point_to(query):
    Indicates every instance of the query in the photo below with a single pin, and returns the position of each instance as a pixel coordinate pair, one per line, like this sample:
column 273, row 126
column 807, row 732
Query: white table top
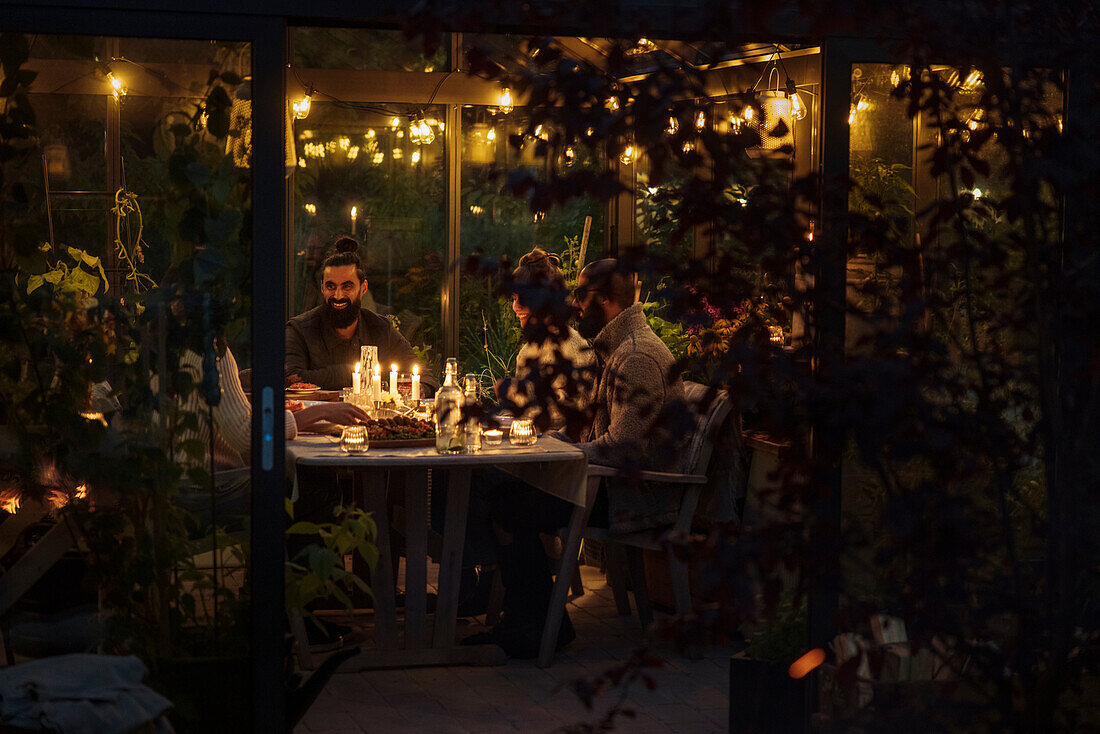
column 552, row 465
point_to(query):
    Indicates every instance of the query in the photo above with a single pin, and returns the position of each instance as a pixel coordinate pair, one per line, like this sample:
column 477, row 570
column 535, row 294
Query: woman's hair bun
column 346, row 244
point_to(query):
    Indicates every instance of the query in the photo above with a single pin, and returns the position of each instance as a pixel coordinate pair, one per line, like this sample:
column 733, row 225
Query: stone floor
column 690, row 695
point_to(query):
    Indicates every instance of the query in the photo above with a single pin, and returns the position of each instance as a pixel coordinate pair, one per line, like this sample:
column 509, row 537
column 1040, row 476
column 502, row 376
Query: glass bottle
column 473, row 425
column 450, row 435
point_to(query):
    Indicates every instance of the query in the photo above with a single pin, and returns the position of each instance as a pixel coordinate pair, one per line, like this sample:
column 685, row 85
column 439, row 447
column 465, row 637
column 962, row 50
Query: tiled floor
column 690, row 695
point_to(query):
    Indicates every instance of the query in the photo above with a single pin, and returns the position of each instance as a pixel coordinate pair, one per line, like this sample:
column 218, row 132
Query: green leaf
column 84, row 281
column 304, row 528
column 34, row 282
column 55, row 276
column 45, row 247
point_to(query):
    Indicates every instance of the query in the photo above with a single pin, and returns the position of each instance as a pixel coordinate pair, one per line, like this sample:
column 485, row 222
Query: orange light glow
column 10, row 502
column 81, row 491
column 799, row 668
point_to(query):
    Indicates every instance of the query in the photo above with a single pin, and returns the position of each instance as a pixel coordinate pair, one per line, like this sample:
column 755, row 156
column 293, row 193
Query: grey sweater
column 628, row 431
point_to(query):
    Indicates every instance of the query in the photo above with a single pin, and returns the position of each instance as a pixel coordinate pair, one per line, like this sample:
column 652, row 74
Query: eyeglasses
column 581, row 291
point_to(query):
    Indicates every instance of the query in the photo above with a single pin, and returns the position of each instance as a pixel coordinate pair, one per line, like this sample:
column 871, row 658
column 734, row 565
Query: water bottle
column 449, row 432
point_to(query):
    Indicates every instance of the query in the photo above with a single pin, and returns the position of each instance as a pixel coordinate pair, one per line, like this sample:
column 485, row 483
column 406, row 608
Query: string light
column 628, row 155
column 378, row 157
column 398, row 154
column 569, row 154
column 415, row 158
column 505, row 102
column 700, row 120
column 301, row 107
column 395, row 122
column 311, row 209
column 420, row 132
column 117, row 88
column 491, row 135
column 353, row 152
column 673, row 125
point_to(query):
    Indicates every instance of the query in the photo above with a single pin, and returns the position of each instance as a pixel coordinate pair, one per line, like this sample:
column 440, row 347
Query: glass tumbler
column 354, row 440
column 522, row 432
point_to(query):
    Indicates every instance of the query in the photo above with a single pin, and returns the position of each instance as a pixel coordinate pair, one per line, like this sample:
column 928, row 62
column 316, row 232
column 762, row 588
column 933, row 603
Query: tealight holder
column 522, row 432
column 354, row 440
column 347, row 395
column 492, row 436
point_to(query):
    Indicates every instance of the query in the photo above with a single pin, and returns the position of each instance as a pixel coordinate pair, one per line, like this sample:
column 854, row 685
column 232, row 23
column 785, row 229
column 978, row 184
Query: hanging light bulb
column 628, row 155
column 301, row 107
column 700, row 120
column 420, row 132
column 505, row 103
column 117, row 88
column 798, row 110
column 395, row 122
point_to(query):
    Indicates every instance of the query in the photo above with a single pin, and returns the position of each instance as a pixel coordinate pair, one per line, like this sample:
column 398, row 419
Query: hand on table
column 344, row 414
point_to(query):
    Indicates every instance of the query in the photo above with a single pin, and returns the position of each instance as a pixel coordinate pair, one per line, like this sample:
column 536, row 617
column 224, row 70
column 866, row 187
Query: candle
column 376, row 383
column 416, row 384
column 493, row 436
column 356, row 380
column 393, row 382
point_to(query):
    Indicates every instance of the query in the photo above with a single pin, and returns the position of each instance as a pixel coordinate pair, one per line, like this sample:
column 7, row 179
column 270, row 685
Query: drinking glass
column 354, row 440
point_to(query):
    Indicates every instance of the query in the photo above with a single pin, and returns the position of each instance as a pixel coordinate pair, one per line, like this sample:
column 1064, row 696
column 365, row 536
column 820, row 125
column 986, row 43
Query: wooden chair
column 625, row 551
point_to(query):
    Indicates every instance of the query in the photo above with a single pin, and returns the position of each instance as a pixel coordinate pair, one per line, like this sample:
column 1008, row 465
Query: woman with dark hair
column 322, row 344
column 556, row 366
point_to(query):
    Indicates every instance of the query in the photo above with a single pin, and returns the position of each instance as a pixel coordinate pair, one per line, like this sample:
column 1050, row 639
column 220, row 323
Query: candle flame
column 10, row 501
column 393, row 368
column 357, row 368
column 378, row 370
column 416, row 369
column 81, row 491
column 799, row 668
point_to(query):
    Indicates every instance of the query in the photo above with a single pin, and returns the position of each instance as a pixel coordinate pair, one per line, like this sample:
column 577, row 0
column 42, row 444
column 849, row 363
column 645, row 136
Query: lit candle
column 393, row 382
column 376, row 383
column 356, row 380
column 522, row 432
column 416, row 384
column 493, row 436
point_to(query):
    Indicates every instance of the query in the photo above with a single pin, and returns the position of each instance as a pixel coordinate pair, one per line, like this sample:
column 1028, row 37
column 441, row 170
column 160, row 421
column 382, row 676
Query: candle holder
column 493, row 436
column 347, row 395
column 354, row 440
column 522, row 432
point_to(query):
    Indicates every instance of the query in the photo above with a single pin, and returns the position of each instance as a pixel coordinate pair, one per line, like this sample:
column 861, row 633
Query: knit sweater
column 628, row 431
column 548, row 357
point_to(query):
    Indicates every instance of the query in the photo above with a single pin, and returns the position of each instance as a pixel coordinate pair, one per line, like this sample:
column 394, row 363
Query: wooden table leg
column 450, row 565
column 577, row 523
column 416, row 557
column 373, row 486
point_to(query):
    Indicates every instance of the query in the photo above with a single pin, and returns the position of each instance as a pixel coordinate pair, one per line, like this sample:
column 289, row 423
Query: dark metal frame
column 267, row 38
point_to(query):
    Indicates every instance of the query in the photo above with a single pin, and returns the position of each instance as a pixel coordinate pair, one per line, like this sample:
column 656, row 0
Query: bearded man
column 322, row 344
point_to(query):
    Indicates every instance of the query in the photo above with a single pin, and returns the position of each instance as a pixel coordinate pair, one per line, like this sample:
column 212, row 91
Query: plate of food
column 301, row 389
column 294, row 405
column 400, row 432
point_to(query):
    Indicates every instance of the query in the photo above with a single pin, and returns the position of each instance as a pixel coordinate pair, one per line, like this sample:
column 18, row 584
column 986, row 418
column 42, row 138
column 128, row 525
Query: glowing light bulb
column 569, row 154
column 798, row 110
column 628, row 155
column 311, row 209
column 395, row 122
column 700, row 120
column 415, row 156
column 505, row 102
column 117, row 88
column 976, row 193
column 301, row 107
column 491, row 135
column 673, row 125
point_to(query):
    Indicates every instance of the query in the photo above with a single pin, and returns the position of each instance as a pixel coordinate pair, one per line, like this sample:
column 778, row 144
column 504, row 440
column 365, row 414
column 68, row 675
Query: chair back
column 707, row 425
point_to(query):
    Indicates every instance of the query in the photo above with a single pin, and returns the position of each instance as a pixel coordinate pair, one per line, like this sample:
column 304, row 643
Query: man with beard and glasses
column 638, row 399
column 322, row 344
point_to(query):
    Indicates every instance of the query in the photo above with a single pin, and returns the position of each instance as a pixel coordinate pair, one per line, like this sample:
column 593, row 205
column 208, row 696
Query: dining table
column 386, row 473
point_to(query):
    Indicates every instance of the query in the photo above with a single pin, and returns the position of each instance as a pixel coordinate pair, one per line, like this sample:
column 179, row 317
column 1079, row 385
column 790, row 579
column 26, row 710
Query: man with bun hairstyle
column 322, row 344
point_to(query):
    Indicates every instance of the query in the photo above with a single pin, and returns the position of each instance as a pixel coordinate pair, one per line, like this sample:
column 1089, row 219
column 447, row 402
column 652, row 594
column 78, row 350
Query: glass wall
column 125, row 263
column 376, row 173
column 496, row 224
